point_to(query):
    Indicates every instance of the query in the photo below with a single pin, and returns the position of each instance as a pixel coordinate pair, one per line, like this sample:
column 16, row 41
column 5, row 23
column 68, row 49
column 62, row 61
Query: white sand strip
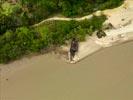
column 87, row 48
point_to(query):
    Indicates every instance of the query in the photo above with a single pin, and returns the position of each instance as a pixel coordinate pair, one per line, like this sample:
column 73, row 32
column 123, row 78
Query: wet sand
column 105, row 75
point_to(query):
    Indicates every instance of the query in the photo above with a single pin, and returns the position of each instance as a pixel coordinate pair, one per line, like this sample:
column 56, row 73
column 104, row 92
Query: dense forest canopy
column 44, row 8
column 16, row 13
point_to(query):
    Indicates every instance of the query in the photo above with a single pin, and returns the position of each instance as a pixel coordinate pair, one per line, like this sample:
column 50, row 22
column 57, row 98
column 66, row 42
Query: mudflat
column 105, row 75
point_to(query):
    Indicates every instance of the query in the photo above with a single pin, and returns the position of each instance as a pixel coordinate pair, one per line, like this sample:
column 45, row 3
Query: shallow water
column 105, row 75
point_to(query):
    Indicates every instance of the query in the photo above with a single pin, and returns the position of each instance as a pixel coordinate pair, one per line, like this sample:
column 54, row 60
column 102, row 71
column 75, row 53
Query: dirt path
column 63, row 19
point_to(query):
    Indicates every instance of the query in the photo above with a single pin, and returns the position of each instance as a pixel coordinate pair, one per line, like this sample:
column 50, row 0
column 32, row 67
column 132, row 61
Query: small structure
column 101, row 34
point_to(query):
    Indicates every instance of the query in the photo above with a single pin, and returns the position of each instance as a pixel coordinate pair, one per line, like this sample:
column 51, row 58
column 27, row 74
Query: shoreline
column 18, row 64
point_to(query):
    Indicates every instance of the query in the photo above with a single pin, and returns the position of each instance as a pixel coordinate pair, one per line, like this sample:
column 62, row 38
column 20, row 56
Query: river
column 105, row 75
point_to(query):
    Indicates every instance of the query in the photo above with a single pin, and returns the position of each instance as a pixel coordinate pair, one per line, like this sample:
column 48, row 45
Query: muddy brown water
column 105, row 75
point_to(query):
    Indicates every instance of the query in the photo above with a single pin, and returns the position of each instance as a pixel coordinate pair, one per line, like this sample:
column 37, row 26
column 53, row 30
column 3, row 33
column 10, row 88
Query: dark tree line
column 30, row 12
